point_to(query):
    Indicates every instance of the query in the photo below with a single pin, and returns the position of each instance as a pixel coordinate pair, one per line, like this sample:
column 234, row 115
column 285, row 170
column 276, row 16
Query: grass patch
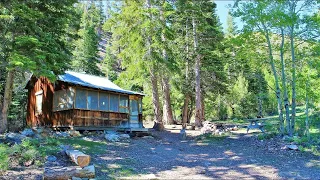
column 207, row 138
column 88, row 147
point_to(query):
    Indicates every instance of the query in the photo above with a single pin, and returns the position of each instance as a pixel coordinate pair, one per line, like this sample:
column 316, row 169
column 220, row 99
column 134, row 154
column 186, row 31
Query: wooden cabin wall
column 87, row 118
column 35, row 85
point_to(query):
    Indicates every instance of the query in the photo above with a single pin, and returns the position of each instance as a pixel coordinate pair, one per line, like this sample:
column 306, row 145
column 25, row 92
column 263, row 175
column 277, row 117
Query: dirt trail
column 234, row 157
column 239, row 156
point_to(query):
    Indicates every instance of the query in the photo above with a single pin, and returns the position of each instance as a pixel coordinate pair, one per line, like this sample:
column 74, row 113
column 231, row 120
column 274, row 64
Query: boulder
column 51, row 158
column 28, row 132
column 14, row 138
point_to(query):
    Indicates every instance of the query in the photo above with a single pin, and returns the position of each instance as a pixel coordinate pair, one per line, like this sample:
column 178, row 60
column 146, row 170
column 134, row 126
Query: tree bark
column 185, row 109
column 284, row 86
column 198, row 116
column 7, row 101
column 275, row 75
column 79, row 157
column 158, row 125
column 167, row 110
column 65, row 173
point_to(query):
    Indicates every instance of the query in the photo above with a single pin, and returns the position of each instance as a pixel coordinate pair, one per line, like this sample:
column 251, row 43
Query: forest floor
column 166, row 156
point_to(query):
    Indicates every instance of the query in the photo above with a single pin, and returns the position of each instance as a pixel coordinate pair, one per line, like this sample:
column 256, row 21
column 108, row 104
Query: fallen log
column 78, row 157
column 64, row 173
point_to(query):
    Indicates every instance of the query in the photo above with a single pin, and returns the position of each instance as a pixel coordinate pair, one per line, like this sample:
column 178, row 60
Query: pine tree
column 34, row 38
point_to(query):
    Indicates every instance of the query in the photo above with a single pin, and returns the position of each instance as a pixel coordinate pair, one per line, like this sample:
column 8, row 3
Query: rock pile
column 216, row 128
column 113, row 136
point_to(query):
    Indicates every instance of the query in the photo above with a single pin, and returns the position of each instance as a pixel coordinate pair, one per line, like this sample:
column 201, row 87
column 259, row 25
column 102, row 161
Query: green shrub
column 4, row 159
column 267, row 135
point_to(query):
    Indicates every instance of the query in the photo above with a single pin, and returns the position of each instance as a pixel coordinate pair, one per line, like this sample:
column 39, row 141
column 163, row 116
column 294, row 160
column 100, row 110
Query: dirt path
column 239, row 156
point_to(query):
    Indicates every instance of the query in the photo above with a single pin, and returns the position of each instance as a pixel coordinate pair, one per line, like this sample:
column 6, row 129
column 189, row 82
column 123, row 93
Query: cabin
column 82, row 102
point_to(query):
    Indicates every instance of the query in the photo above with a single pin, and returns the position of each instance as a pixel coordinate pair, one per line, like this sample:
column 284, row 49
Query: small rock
column 148, row 137
column 124, row 136
column 51, row 158
column 39, row 130
column 292, row 147
column 221, row 133
column 28, row 163
column 183, row 134
column 76, row 178
column 85, row 132
column 286, row 138
column 27, row 132
column 61, row 134
column 112, row 137
column 74, row 133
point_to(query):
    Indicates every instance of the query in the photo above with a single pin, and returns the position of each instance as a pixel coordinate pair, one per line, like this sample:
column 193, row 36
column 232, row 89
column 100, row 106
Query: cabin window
column 92, row 100
column 114, row 103
column 123, row 104
column 81, row 99
column 103, row 101
column 39, row 97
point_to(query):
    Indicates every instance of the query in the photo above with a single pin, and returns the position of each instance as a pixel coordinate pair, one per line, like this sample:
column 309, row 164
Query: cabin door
column 134, row 114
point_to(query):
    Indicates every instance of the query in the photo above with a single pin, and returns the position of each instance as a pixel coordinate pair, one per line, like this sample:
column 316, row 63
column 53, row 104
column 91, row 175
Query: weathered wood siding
column 36, row 85
column 87, row 118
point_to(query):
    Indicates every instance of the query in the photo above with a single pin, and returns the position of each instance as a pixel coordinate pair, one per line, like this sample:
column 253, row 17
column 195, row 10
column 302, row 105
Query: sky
column 222, row 12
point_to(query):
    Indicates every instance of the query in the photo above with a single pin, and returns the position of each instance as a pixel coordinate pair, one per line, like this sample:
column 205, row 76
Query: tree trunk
column 307, row 108
column 260, row 110
column 293, row 100
column 167, row 110
column 185, row 109
column 202, row 108
column 198, row 117
column 158, row 125
column 7, row 101
column 284, row 86
column 275, row 75
column 65, row 173
column 79, row 157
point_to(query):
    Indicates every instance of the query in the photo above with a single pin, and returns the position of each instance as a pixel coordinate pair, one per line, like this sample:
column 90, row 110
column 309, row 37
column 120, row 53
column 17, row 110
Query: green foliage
column 86, row 52
column 4, row 163
column 265, row 136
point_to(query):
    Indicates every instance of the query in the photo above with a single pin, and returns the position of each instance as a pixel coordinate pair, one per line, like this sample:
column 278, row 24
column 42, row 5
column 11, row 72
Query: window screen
column 103, row 101
column 81, row 99
column 114, row 103
column 134, row 107
column 70, row 94
column 140, row 105
column 123, row 104
column 93, row 100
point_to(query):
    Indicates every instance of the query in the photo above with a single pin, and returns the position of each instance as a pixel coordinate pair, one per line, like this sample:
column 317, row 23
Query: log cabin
column 82, row 102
